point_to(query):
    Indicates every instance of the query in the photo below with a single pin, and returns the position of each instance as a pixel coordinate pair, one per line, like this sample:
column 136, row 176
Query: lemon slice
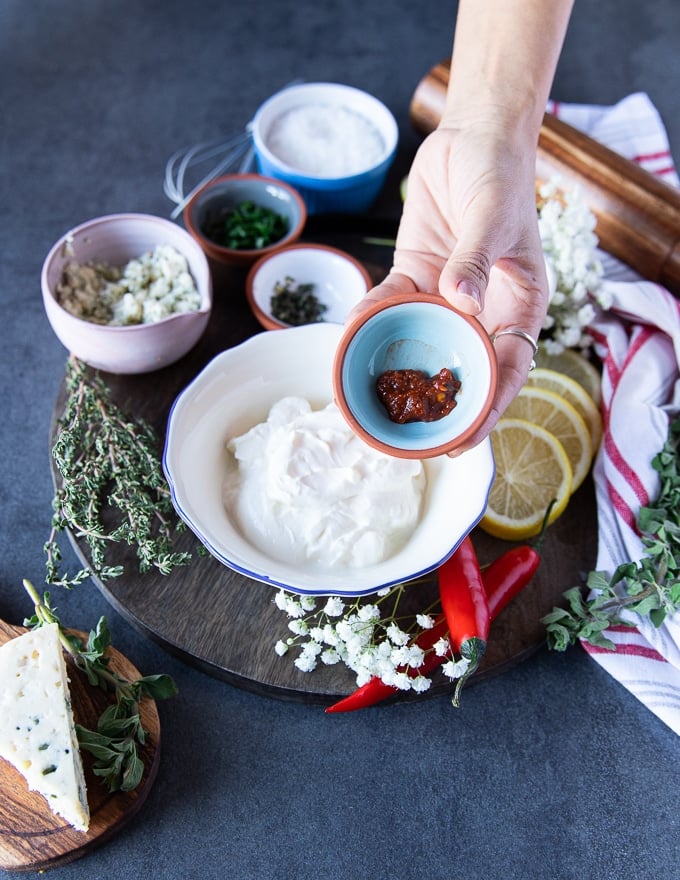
column 550, row 411
column 575, row 394
column 575, row 365
column 532, row 470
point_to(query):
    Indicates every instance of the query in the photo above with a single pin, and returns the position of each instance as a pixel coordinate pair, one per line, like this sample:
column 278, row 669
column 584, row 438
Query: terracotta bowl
column 339, row 281
column 424, row 333
column 222, row 195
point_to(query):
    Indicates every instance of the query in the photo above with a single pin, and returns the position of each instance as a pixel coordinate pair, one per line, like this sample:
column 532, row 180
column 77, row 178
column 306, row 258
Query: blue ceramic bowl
column 420, row 333
column 324, row 188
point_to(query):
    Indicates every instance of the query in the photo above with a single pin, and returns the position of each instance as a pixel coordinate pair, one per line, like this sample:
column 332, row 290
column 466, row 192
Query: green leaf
column 133, row 773
column 157, row 687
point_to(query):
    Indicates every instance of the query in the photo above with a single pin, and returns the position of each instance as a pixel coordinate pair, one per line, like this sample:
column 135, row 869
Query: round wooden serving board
column 32, row 838
column 227, row 624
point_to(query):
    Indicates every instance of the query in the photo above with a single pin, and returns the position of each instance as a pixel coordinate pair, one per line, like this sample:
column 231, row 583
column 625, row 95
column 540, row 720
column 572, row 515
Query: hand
column 469, row 232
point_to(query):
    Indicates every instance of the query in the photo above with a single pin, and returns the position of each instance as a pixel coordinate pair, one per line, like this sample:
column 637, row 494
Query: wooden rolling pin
column 638, row 215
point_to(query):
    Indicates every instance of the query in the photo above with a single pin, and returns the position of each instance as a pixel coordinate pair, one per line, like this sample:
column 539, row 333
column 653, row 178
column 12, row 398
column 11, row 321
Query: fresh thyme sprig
column 107, row 460
column 114, row 744
column 650, row 587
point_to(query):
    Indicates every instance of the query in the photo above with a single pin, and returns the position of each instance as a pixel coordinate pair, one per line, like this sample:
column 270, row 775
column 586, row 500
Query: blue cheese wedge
column 37, row 732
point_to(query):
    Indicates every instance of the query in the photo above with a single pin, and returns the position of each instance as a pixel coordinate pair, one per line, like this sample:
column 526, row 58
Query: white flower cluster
column 570, row 247
column 358, row 635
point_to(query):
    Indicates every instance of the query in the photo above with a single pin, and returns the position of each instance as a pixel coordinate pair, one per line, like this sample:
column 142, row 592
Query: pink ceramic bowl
column 139, row 348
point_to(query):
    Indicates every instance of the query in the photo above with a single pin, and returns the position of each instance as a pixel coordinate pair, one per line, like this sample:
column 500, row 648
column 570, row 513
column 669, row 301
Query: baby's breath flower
column 400, row 655
column 566, row 226
column 290, row 604
column 455, row 668
column 420, row 684
column 369, row 612
column 330, row 637
column 396, row 635
column 305, row 663
column 402, row 681
column 416, row 655
column 366, row 636
column 334, row 606
column 441, row 647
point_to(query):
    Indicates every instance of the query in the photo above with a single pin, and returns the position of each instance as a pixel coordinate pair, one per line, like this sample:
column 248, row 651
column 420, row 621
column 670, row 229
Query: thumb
column 465, row 276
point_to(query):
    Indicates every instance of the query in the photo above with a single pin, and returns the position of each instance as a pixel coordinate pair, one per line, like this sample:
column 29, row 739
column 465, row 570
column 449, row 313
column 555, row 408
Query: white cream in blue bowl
column 332, row 142
column 421, row 333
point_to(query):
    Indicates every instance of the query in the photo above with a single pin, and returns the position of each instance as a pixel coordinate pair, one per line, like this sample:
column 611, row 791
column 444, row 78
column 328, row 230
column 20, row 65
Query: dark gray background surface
column 552, row 770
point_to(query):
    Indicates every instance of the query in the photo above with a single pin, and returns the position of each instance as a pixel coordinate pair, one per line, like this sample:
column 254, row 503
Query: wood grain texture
column 32, row 838
column 227, row 624
column 638, row 215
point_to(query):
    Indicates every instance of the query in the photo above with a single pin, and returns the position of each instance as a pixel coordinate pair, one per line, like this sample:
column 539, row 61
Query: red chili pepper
column 503, row 579
column 465, row 607
column 507, row 576
column 376, row 690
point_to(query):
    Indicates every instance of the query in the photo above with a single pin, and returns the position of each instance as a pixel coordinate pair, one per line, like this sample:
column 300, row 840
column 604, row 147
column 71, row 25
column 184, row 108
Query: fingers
column 394, row 283
column 514, row 356
column 465, row 276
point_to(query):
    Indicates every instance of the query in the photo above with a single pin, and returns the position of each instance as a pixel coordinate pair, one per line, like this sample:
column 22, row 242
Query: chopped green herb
column 246, row 227
column 296, row 305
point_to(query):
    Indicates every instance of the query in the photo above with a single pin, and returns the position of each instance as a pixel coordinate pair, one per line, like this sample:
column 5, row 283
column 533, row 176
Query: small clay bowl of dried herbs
column 305, row 284
column 239, row 218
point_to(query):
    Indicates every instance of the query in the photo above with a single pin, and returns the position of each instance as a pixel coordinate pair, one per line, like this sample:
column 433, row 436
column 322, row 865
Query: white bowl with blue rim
column 338, row 281
column 332, row 142
column 424, row 333
column 234, row 393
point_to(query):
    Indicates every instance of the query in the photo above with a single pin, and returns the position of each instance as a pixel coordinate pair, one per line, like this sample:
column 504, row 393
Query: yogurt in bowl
column 236, row 393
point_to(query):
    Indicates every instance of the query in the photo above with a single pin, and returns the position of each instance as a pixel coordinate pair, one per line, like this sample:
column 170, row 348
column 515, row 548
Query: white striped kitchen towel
column 638, row 340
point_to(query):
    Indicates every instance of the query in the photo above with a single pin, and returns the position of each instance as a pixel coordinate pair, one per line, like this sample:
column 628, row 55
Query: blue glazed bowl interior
column 419, row 336
column 325, row 192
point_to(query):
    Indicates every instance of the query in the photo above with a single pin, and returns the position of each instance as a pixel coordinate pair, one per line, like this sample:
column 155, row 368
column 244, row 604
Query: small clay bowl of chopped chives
column 238, row 218
column 305, row 284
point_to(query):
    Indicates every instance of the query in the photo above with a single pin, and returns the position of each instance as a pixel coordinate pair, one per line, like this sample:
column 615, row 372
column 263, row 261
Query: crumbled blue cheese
column 37, row 732
column 146, row 290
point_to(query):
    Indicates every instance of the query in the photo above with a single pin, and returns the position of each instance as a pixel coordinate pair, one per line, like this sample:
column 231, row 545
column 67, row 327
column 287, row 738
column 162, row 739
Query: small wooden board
column 32, row 838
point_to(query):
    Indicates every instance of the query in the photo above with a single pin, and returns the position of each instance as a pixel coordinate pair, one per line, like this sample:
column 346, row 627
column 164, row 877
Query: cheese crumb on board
column 37, row 731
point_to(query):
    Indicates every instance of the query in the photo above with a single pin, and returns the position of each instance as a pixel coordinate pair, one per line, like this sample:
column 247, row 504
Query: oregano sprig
column 107, row 460
column 115, row 743
column 649, row 587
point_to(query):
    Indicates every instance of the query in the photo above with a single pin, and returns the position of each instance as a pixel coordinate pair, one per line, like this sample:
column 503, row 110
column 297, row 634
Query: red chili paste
column 413, row 396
